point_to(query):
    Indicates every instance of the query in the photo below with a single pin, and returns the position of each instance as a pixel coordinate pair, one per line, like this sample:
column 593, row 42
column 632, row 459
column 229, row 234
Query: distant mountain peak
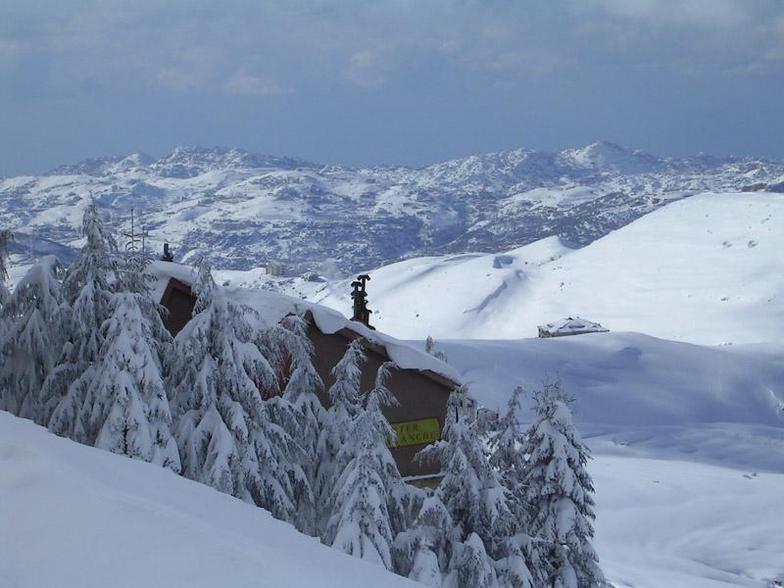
column 244, row 210
column 609, row 156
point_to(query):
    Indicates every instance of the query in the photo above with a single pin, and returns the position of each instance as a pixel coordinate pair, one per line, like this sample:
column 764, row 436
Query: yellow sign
column 417, row 432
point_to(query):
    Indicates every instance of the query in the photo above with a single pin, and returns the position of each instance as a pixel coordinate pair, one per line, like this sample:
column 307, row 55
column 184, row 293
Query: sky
column 403, row 82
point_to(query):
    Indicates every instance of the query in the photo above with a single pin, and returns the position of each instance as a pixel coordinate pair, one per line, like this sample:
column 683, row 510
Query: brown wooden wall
column 420, row 395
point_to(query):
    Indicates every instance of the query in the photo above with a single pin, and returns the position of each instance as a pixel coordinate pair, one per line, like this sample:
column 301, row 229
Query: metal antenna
column 132, row 244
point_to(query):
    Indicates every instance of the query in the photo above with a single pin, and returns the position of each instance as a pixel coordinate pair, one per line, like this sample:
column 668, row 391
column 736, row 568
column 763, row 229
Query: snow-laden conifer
column 127, row 399
column 223, row 427
column 430, row 347
column 126, row 402
column 508, row 457
column 6, row 237
column 471, row 565
column 344, row 395
column 559, row 493
column 290, row 352
column 5, row 320
column 518, row 564
column 88, row 286
column 367, row 510
column 471, row 493
column 37, row 319
column 424, row 551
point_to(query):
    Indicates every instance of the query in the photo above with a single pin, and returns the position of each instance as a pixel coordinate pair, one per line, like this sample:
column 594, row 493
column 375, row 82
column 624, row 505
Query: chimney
column 359, row 296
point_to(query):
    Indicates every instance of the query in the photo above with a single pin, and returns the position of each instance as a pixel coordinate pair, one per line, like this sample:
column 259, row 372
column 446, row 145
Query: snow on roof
column 573, row 325
column 273, row 307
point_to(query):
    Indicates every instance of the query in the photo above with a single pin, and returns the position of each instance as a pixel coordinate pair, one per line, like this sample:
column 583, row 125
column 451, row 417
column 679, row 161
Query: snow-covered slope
column 688, row 444
column 651, row 396
column 676, row 524
column 707, row 269
column 72, row 516
column 243, row 210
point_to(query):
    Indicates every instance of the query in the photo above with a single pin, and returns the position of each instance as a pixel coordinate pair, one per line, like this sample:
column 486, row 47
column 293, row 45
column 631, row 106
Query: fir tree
column 508, row 457
column 519, row 566
column 127, row 399
column 559, row 493
column 6, row 237
column 88, row 286
column 291, row 353
column 37, row 317
column 425, row 549
column 472, row 566
column 366, row 499
column 472, row 495
column 430, row 347
column 344, row 395
column 226, row 436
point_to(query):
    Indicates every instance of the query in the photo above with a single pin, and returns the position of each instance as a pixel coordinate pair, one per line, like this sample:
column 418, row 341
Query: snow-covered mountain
column 707, row 269
column 242, row 210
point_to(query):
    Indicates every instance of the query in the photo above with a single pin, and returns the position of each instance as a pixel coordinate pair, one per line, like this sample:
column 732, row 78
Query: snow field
column 707, row 269
column 72, row 515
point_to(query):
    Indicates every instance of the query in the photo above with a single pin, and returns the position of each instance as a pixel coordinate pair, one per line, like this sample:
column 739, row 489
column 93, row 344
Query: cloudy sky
column 387, row 81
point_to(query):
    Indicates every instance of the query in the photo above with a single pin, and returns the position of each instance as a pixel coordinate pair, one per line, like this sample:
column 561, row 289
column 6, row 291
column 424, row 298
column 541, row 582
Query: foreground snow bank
column 72, row 515
column 75, row 516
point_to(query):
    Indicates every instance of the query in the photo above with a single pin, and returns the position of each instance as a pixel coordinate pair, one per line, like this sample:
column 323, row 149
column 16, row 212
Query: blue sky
column 393, row 81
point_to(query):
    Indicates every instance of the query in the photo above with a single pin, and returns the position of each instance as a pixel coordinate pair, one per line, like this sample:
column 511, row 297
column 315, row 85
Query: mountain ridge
column 243, row 210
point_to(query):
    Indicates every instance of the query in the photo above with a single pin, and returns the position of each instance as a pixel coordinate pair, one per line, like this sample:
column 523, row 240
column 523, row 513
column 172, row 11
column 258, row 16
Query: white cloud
column 363, row 68
column 250, row 85
column 776, row 51
column 9, row 48
column 684, row 12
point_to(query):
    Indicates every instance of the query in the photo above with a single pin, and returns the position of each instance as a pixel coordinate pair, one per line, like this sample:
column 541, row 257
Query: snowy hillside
column 72, row 515
column 708, row 269
column 100, row 519
column 243, row 210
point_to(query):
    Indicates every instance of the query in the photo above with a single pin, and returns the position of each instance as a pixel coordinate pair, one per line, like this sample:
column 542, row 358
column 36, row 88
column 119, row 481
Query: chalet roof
column 573, row 325
column 273, row 307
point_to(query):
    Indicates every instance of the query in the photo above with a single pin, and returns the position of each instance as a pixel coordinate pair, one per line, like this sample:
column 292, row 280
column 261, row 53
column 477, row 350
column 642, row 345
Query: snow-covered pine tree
column 5, row 320
column 430, row 347
column 367, row 502
column 559, row 493
column 472, row 494
column 519, row 564
column 291, row 354
column 127, row 401
column 88, row 286
column 344, row 395
column 423, row 551
column 6, row 237
column 471, row 565
column 37, row 316
column 226, row 436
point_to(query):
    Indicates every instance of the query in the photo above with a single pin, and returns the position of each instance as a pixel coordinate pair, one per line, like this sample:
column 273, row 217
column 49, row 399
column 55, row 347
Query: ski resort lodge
column 420, row 382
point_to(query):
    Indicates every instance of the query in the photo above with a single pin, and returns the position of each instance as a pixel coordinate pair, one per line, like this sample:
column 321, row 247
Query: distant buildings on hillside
column 570, row 326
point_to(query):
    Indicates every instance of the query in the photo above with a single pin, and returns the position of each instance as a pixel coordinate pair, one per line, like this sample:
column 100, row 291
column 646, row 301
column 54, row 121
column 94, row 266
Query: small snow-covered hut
column 420, row 382
column 570, row 326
